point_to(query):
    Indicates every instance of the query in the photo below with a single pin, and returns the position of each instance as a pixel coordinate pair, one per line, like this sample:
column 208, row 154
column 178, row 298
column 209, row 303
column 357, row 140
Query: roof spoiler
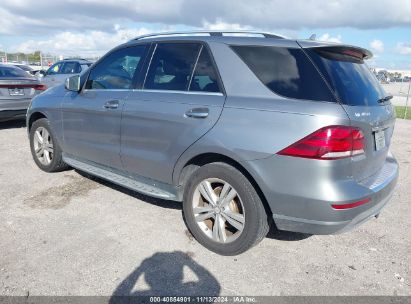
column 343, row 49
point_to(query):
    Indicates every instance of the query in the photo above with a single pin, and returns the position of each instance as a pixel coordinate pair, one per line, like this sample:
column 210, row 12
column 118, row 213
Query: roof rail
column 210, row 33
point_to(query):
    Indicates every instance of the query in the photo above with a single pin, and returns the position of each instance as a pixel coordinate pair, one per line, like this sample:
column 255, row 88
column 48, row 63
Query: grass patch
column 400, row 111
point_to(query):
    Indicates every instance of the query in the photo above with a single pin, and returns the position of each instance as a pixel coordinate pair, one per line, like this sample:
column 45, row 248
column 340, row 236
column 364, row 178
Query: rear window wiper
column 384, row 99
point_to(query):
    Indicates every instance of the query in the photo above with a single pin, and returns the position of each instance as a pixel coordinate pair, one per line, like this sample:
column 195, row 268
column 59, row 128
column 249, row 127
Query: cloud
column 92, row 43
column 48, row 16
column 377, row 46
column 327, row 37
column 403, row 48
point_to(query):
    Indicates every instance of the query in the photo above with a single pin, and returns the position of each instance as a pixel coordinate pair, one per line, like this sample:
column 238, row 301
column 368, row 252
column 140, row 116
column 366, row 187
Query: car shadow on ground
column 273, row 233
column 166, row 274
column 282, row 235
column 12, row 124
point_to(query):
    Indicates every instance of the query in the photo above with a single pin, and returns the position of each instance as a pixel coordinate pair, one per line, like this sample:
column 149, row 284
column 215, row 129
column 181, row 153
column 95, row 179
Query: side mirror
column 73, row 83
column 42, row 73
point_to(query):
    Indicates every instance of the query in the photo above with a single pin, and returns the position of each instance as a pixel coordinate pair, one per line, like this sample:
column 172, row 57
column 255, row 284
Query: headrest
column 174, row 67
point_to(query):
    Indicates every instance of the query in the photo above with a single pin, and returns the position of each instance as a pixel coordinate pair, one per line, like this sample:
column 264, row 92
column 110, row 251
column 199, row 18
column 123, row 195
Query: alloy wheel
column 218, row 210
column 43, row 146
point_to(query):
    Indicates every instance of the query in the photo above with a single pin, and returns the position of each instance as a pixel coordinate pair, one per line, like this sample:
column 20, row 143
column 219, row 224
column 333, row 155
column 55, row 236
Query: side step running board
column 153, row 189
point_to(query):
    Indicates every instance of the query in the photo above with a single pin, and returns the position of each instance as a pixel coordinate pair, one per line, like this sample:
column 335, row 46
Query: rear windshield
column 286, row 71
column 350, row 78
column 24, row 67
column 11, row 72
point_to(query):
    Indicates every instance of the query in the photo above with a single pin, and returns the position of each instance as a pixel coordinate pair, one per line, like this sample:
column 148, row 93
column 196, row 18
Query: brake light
column 352, row 205
column 352, row 53
column 40, row 87
column 332, row 142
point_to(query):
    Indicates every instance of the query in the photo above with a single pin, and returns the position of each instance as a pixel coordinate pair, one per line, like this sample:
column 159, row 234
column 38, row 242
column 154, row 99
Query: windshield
column 11, row 72
column 349, row 77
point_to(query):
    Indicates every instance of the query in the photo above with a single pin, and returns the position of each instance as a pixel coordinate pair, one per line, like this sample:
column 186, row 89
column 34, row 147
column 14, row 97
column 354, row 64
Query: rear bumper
column 313, row 213
column 329, row 227
column 12, row 114
column 13, row 108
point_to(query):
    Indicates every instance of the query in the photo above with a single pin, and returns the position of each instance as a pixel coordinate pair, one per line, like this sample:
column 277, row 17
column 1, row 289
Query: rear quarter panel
column 258, row 128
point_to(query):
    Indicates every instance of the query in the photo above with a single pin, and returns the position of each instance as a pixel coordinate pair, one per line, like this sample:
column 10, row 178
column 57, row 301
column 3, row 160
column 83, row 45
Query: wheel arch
column 197, row 161
column 33, row 117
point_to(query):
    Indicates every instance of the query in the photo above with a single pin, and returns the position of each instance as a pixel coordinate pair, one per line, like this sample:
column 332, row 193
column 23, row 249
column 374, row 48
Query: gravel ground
column 68, row 234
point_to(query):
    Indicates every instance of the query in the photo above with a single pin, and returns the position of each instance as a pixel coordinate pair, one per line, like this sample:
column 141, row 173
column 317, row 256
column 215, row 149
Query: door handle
column 197, row 113
column 112, row 104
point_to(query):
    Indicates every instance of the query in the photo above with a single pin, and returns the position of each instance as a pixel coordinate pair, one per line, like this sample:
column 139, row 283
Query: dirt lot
column 67, row 234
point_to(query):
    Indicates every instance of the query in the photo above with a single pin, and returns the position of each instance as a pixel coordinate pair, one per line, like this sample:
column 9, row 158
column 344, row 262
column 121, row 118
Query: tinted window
column 116, row 71
column 70, row 68
column 12, row 71
column 348, row 76
column 55, row 69
column 287, row 72
column 205, row 77
column 171, row 66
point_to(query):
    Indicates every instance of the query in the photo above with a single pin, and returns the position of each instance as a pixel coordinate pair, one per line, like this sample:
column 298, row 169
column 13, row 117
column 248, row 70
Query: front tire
column 44, row 147
column 223, row 211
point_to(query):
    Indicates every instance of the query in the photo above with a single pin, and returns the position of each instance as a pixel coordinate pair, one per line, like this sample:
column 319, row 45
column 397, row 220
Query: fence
column 406, row 101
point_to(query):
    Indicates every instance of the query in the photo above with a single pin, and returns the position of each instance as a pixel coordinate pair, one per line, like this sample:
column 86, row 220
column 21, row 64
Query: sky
column 92, row 27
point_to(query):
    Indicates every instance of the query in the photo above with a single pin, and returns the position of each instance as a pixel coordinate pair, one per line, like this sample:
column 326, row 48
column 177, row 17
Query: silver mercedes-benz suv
column 247, row 130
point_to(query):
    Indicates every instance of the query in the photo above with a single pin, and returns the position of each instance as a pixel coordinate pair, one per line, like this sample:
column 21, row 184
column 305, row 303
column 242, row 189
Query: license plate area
column 16, row 92
column 379, row 138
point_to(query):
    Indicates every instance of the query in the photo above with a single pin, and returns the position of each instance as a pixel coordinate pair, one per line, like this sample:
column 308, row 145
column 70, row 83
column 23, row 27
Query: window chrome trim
column 157, row 91
column 194, row 67
column 179, row 92
column 107, row 90
column 149, row 65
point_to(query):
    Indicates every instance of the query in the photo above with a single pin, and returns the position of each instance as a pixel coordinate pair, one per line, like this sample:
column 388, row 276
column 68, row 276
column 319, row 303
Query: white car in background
column 61, row 70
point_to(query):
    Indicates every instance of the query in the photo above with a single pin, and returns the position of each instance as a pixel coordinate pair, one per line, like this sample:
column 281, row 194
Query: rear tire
column 223, row 211
column 44, row 147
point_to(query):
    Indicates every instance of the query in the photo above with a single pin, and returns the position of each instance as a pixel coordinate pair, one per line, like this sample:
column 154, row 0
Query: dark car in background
column 17, row 88
column 25, row 68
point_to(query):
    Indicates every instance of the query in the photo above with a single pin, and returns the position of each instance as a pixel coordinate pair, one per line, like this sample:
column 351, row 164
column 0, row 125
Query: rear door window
column 205, row 78
column 285, row 71
column 172, row 66
column 71, row 68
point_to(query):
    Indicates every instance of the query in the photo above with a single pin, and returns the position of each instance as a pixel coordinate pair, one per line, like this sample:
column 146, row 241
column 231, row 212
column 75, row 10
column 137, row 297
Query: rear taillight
column 40, row 87
column 332, row 142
